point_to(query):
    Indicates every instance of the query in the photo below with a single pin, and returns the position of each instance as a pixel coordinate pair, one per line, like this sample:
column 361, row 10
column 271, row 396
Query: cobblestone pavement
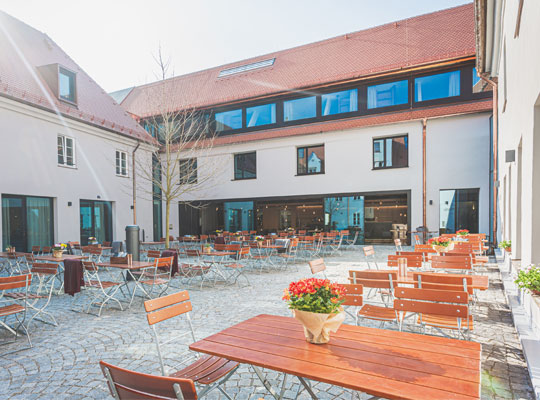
column 63, row 364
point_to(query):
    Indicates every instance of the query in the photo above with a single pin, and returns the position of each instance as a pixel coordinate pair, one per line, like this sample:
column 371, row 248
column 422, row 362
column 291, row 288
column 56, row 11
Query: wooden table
column 60, row 259
column 5, row 254
column 385, row 363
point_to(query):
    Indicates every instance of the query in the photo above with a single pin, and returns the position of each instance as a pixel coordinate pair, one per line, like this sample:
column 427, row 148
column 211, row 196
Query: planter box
column 531, row 306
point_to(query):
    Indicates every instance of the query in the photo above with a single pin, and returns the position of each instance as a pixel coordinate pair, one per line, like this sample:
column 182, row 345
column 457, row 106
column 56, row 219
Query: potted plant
column 10, row 249
column 463, row 232
column 529, row 279
column 207, row 248
column 441, row 244
column 92, row 240
column 58, row 249
column 316, row 303
column 506, row 245
column 260, row 240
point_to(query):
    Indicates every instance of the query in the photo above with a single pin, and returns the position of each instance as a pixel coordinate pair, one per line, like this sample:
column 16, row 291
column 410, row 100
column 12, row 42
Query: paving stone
column 64, row 360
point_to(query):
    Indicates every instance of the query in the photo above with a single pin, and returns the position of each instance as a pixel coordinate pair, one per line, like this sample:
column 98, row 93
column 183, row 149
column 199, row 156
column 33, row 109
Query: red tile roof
column 357, row 122
column 24, row 49
column 425, row 39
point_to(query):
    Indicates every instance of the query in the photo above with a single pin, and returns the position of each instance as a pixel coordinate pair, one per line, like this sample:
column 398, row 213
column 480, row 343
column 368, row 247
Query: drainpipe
column 495, row 152
column 134, row 183
column 424, row 172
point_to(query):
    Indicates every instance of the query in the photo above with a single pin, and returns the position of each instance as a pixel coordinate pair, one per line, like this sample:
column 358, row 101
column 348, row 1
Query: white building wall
column 458, row 145
column 28, row 165
column 519, row 122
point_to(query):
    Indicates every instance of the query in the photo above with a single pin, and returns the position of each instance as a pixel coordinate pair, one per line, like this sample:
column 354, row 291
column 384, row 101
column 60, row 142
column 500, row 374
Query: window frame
column 64, row 151
column 392, row 107
column 192, row 179
column 245, row 113
column 335, row 91
column 121, row 152
column 305, row 148
column 235, row 178
column 385, row 138
column 317, row 98
column 72, row 74
column 242, row 110
column 465, row 86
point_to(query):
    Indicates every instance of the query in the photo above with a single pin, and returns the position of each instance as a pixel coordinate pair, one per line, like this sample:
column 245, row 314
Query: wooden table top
column 17, row 254
column 385, row 363
column 60, row 259
column 219, row 253
column 134, row 265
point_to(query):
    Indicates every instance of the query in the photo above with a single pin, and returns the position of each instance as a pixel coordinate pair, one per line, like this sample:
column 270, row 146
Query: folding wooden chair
column 193, row 267
column 125, row 384
column 369, row 254
column 381, row 283
column 155, row 280
column 317, row 266
column 99, row 290
column 14, row 307
column 354, row 299
column 153, row 254
column 208, row 372
column 413, row 260
column 236, row 269
column 397, row 243
column 439, row 309
column 36, row 250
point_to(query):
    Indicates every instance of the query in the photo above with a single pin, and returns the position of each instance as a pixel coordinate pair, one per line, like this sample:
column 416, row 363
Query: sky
column 115, row 41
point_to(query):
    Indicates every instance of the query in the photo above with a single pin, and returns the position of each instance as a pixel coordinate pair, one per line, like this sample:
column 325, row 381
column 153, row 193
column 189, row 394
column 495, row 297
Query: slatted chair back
column 164, row 308
column 14, row 305
column 430, row 280
column 374, row 279
column 452, row 263
column 353, row 294
column 369, row 254
column 153, row 254
column 194, row 252
column 118, row 260
column 90, row 266
column 317, row 266
column 220, row 247
column 15, row 282
column 36, row 249
column 125, row 384
column 429, row 302
column 424, row 248
column 413, row 261
column 46, row 250
column 44, row 268
column 464, row 247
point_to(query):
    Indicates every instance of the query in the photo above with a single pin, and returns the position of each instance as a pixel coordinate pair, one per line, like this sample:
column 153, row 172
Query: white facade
column 516, row 63
column 29, row 165
column 457, row 158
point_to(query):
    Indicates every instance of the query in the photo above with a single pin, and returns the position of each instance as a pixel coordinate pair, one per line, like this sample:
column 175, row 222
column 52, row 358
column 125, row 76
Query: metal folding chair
column 208, row 372
column 100, row 291
column 14, row 307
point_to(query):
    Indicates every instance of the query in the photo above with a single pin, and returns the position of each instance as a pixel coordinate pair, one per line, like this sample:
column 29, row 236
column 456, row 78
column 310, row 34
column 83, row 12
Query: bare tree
column 184, row 137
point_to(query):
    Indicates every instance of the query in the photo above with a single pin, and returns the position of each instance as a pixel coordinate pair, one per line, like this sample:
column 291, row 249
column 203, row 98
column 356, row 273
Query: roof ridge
column 301, row 46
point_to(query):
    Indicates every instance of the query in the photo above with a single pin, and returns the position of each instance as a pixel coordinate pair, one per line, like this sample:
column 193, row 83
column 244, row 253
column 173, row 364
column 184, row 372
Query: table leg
column 266, row 383
column 307, row 386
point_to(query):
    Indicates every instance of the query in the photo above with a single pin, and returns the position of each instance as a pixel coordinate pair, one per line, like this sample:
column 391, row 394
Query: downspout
column 495, row 153
column 424, row 180
column 134, row 183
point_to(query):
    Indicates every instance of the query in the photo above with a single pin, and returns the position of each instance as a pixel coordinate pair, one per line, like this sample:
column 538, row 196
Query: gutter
column 134, row 183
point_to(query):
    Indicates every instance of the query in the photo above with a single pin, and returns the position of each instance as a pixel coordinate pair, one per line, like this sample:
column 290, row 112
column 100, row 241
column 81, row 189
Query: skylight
column 246, row 67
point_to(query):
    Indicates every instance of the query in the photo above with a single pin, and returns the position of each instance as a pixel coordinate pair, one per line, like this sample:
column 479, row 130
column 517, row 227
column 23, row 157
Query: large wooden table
column 60, row 259
column 385, row 363
column 135, row 265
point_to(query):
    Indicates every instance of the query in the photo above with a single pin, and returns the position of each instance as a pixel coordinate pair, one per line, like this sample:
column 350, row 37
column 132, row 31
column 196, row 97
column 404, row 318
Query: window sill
column 122, row 176
column 243, row 179
column 383, row 168
column 313, row 173
column 67, row 166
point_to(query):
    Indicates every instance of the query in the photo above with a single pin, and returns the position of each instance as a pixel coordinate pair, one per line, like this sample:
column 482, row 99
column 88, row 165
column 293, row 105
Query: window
column 121, row 163
column 228, row 120
column 388, row 94
column 66, row 151
column 475, row 77
column 392, row 152
column 245, row 166
column 340, row 102
column 66, row 85
column 437, row 86
column 310, row 160
column 261, row 115
column 300, row 109
column 458, row 210
column 188, row 171
column 246, row 67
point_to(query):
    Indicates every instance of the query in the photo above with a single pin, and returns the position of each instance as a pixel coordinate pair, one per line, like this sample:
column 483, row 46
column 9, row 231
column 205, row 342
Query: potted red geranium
column 441, row 244
column 316, row 303
column 462, row 232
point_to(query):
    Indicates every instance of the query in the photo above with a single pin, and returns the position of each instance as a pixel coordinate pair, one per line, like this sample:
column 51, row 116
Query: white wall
column 459, row 145
column 28, row 165
column 517, row 122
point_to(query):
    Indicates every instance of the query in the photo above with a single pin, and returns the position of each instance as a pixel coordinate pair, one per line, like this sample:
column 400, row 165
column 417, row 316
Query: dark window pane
column 459, row 210
column 310, row 160
column 261, row 115
column 245, row 166
column 300, row 108
column 388, row 94
column 228, row 120
column 60, row 150
column 66, row 85
column 391, row 152
column 437, row 86
column 340, row 102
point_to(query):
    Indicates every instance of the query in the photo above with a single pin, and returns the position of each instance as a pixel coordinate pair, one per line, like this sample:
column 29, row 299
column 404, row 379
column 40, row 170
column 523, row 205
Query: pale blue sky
column 114, row 40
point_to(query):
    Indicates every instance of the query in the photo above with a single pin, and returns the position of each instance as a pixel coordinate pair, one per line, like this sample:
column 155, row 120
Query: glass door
column 458, row 210
column 26, row 222
column 96, row 221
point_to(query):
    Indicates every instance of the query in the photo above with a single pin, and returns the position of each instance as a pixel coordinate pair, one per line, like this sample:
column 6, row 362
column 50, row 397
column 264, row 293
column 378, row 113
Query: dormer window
column 66, row 85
